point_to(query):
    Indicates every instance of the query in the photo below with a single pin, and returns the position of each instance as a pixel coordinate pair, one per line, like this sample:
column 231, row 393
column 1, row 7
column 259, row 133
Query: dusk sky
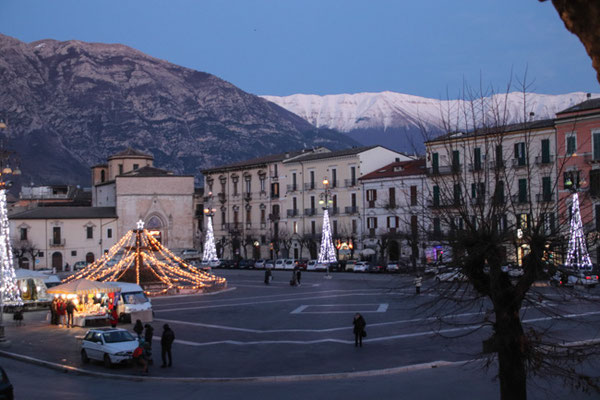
column 282, row 47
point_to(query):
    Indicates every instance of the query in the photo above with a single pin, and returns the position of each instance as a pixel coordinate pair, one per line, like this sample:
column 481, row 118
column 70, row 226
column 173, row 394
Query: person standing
column 138, row 328
column 359, row 329
column 70, row 311
column 298, row 276
column 149, row 334
column 54, row 311
column 268, row 276
column 61, row 307
column 418, row 283
column 166, row 341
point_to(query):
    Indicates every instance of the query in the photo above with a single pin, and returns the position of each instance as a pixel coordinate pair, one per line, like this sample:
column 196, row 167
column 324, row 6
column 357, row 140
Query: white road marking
column 357, row 308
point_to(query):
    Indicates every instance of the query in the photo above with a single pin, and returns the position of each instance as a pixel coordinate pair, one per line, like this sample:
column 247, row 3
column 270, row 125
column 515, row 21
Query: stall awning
column 84, row 286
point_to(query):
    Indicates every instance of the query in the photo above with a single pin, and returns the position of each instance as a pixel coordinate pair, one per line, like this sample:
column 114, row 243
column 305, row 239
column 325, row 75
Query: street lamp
column 327, row 252
column 8, row 282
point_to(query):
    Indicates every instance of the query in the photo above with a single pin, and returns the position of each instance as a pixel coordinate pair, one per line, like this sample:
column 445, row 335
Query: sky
column 282, row 47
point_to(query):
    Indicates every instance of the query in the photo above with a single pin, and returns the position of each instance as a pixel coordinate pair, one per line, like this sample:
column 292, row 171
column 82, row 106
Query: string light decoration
column 210, row 250
column 9, row 291
column 140, row 258
column 327, row 252
column 577, row 254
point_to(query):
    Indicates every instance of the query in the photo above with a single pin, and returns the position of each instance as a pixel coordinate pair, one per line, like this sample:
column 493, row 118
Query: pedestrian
column 268, row 276
column 298, row 276
column 418, row 283
column 138, row 328
column 54, row 311
column 70, row 311
column 142, row 355
column 149, row 334
column 62, row 312
column 359, row 329
column 18, row 316
column 113, row 317
column 166, row 341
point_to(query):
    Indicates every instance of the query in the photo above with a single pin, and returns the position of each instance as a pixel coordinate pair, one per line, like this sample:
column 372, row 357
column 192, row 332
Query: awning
column 367, row 252
column 84, row 286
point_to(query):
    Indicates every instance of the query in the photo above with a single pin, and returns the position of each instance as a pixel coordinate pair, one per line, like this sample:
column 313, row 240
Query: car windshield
column 135, row 298
column 117, row 336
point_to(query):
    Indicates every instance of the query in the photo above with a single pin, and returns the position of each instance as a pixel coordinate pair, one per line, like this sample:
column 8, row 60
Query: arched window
column 89, row 258
column 155, row 227
column 102, row 176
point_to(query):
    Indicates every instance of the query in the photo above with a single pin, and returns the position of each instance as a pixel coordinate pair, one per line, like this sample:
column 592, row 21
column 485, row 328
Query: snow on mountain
column 385, row 110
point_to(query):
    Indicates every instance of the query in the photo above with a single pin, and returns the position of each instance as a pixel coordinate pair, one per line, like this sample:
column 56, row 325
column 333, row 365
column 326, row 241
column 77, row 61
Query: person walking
column 138, row 328
column 359, row 329
column 166, row 341
column 149, row 334
column 268, row 276
column 418, row 283
column 54, row 311
column 70, row 311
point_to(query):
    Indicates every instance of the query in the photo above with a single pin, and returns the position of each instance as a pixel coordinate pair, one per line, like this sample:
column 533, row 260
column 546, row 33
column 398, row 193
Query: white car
column 582, row 279
column 321, row 266
column 289, row 264
column 190, row 253
column 361, row 266
column 260, row 264
column 392, row 267
column 451, row 276
column 109, row 345
column 280, row 264
column 310, row 265
column 269, row 264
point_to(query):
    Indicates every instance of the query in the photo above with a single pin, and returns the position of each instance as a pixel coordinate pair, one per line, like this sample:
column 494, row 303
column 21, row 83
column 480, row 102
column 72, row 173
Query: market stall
column 93, row 300
column 32, row 287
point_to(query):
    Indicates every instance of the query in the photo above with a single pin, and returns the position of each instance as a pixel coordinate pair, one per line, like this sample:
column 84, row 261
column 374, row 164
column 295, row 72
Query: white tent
column 32, row 285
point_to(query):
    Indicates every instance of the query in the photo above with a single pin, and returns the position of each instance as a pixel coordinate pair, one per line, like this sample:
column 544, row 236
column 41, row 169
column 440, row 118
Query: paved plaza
column 256, row 334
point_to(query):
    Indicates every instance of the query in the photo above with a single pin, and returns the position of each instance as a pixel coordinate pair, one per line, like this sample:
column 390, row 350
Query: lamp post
column 8, row 282
column 209, row 252
column 327, row 252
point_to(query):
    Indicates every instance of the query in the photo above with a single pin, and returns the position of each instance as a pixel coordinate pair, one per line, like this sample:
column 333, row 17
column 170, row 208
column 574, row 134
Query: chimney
column 589, row 96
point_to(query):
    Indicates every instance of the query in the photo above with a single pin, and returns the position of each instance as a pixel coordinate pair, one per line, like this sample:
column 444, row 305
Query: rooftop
column 66, row 213
column 332, row 154
column 264, row 160
column 129, row 152
column 584, row 106
column 397, row 169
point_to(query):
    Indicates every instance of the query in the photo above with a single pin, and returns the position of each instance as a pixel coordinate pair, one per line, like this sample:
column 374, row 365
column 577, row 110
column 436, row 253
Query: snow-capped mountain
column 397, row 119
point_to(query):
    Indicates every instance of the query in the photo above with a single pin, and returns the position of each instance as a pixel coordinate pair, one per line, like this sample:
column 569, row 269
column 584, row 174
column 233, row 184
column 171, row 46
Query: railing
column 274, row 217
column 292, row 188
column 350, row 182
column 444, row 170
column 519, row 162
column 222, row 197
column 310, row 211
column 540, row 160
column 333, row 210
column 351, row 210
column 56, row 243
column 247, row 196
column 293, row 213
column 544, row 197
column 496, row 164
column 309, row 186
column 518, row 199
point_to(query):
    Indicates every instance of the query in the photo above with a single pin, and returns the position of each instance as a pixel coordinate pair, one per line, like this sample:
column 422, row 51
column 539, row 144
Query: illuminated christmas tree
column 210, row 250
column 9, row 290
column 577, row 254
column 327, row 252
column 148, row 263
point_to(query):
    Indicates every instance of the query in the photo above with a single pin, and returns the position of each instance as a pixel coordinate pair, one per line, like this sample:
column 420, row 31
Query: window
column 248, row 215
column 457, row 194
column 334, row 200
column 392, row 197
column 499, row 156
column 41, row 254
column 435, row 163
column 275, row 173
column 136, row 166
column 313, row 227
column 354, row 226
column 73, row 253
column 312, row 179
column 334, row 177
column 371, row 197
column 263, row 216
column 499, row 193
column 571, row 143
column 294, row 184
column 455, row 161
column 476, row 159
column 23, row 234
column 437, row 227
column 372, row 222
column 56, row 236
column 596, row 145
column 109, row 233
column 501, row 222
column 312, row 202
column 436, row 196
column 520, row 154
column 294, row 204
column 262, row 180
column 393, row 222
column 248, row 185
column 522, row 221
column 335, row 227
column 223, row 219
column 413, row 195
column 414, row 226
column 546, row 189
column 595, row 183
column 235, row 187
column 353, row 200
column 353, row 176
column 274, row 190
column 546, row 151
column 89, row 232
column 295, row 227
column 548, row 221
column 120, row 169
column 522, row 198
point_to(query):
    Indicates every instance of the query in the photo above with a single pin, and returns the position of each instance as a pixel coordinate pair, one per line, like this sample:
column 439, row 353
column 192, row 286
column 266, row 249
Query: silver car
column 109, row 345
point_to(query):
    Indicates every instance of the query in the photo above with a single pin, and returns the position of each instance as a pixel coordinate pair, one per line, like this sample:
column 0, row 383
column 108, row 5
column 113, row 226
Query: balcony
column 544, row 197
column 56, row 243
column 519, row 162
column 475, row 167
column 233, row 226
column 274, row 217
column 333, row 210
column 444, row 170
column 310, row 211
column 292, row 188
column 520, row 199
column 293, row 213
column 350, row 182
column 247, row 196
column 447, row 203
column 543, row 161
column 222, row 197
column 495, row 165
column 274, row 195
column 309, row 186
column 351, row 210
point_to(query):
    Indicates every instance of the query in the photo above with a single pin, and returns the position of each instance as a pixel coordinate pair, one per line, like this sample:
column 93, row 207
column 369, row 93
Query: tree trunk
column 511, row 346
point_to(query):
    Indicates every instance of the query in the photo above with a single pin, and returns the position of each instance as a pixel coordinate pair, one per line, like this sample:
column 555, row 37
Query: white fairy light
column 9, row 290
column 210, row 250
column 577, row 254
column 327, row 252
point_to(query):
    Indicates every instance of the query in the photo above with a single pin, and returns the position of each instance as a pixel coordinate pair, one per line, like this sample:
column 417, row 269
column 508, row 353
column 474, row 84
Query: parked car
column 226, row 264
column 6, row 388
column 269, row 264
column 569, row 278
column 290, row 263
column 515, row 272
column 302, row 264
column 376, row 267
column 350, row 265
column 280, row 263
column 246, row 264
column 260, row 264
column 361, row 266
column 392, row 267
column 80, row 265
column 190, row 253
column 321, row 266
column 109, row 345
column 310, row 265
column 450, row 276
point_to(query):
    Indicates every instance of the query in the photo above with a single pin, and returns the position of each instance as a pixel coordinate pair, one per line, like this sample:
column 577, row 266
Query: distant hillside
column 71, row 104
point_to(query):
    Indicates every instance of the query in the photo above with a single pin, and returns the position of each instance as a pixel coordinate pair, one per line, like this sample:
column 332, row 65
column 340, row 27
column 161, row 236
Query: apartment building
column 394, row 210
